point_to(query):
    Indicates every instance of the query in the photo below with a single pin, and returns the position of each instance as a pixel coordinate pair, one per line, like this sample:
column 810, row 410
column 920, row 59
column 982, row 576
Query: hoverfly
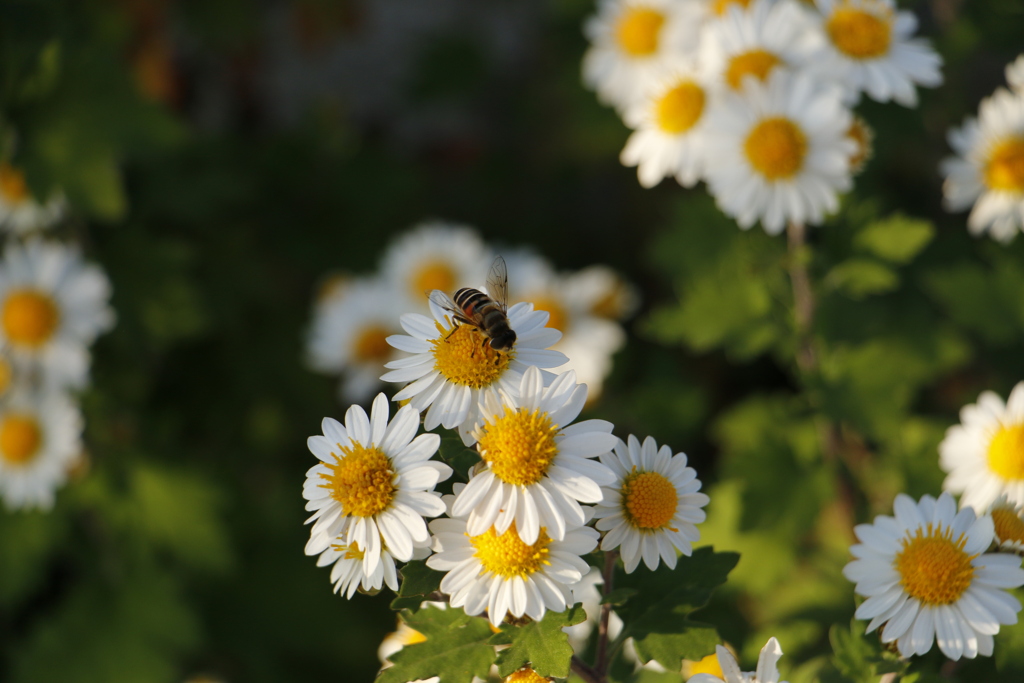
column 486, row 313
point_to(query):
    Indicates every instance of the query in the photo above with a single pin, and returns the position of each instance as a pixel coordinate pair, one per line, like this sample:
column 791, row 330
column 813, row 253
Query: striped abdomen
column 486, row 315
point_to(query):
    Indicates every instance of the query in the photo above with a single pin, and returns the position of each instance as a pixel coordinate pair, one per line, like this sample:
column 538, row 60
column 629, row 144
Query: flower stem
column 601, row 665
column 803, row 297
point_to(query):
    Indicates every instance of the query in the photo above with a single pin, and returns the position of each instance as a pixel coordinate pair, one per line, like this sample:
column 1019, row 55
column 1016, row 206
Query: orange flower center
column 638, row 30
column 758, row 63
column 933, row 567
column 29, row 317
column 20, row 438
column 1005, row 167
column 860, row 34
column 776, row 148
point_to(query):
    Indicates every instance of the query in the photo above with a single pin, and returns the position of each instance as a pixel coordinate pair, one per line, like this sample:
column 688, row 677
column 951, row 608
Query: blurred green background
column 222, row 157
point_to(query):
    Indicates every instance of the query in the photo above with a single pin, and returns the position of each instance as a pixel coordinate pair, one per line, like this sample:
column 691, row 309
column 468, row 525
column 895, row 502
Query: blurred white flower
column 20, row 212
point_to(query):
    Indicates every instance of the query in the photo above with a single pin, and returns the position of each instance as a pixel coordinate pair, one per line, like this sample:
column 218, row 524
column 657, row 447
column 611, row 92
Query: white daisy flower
column 870, row 49
column 370, row 491
column 1008, row 522
column 778, row 151
column 767, row 667
column 434, row 255
column 1015, row 74
column 20, row 213
column 756, row 42
column 349, row 334
column 537, row 467
column 52, row 306
column 453, row 365
column 603, row 292
column 40, row 440
column 668, row 130
column 652, row 508
column 926, row 578
column 984, row 454
column 501, row 573
column 988, row 169
column 633, row 42
column 349, row 571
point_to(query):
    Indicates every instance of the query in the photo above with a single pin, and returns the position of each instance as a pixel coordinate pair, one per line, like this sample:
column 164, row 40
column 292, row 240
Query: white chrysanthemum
column 778, row 151
column 588, row 340
column 434, row 255
column 40, row 438
column 984, row 454
column 52, row 306
column 371, row 490
column 668, row 131
column 926, row 578
column 538, row 467
column 349, row 570
column 349, row 334
column 988, row 169
column 870, row 49
column 767, row 667
column 753, row 43
column 501, row 573
column 652, row 508
column 603, row 292
column 1015, row 74
column 1008, row 522
column 454, row 366
column 20, row 213
column 633, row 42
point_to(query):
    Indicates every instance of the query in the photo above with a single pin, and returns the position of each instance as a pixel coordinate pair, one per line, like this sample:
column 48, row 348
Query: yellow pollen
column 758, row 63
column 708, row 665
column 361, row 480
column 1006, row 453
column 372, row 345
column 638, row 31
column 860, row 34
column 433, row 275
column 526, row 675
column 507, row 555
column 12, row 184
column 722, row 6
column 679, row 109
column 29, row 317
column 861, row 134
column 650, row 499
column 349, row 552
column 1009, row 526
column 776, row 148
column 558, row 317
column 1005, row 167
column 933, row 567
column 20, row 438
column 465, row 357
column 520, row 446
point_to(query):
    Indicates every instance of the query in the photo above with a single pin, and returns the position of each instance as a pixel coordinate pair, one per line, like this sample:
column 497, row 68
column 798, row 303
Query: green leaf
column 618, row 596
column 861, row 657
column 657, row 617
column 896, row 239
column 456, row 648
column 26, row 541
column 541, row 644
column 861, row 277
column 418, row 580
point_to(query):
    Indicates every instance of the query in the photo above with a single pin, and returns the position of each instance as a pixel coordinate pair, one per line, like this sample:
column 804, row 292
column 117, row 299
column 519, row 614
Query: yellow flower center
column 433, row 275
column 638, row 30
column 1006, row 453
column 29, row 317
column 526, row 675
column 776, row 148
column 349, row 552
column 933, row 567
column 1005, row 167
column 862, row 136
column 722, row 6
column 371, row 344
column 361, row 480
column 507, row 555
column 520, row 446
column 558, row 317
column 1009, row 526
column 860, row 34
column 758, row 63
column 708, row 665
column 20, row 438
column 679, row 109
column 464, row 356
column 12, row 184
column 650, row 499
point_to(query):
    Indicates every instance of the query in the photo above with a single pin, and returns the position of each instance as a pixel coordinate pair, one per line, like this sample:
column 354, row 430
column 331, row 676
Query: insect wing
column 442, row 300
column 497, row 283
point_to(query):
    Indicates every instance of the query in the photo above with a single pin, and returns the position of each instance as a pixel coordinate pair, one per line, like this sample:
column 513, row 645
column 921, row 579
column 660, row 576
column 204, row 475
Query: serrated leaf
column 861, row 277
column 859, row 657
column 418, row 580
column 897, row 239
column 541, row 644
column 455, row 649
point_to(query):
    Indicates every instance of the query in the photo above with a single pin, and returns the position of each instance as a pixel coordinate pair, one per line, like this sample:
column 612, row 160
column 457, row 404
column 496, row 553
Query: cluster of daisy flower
column 353, row 316
column 53, row 305
column 932, row 574
column 754, row 96
column 987, row 172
